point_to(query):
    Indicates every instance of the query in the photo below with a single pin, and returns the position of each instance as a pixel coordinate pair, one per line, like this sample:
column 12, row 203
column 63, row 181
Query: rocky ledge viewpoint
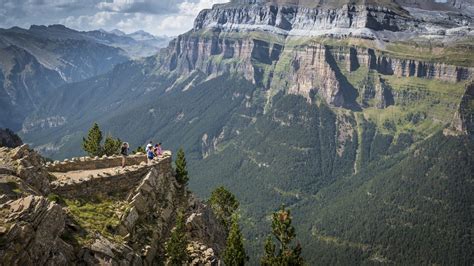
column 41, row 224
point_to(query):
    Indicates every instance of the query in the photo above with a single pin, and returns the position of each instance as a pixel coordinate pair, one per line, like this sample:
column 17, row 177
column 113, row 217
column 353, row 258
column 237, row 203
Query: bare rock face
column 33, row 233
column 464, row 118
column 203, row 227
column 337, row 18
column 28, row 166
column 154, row 204
column 270, row 43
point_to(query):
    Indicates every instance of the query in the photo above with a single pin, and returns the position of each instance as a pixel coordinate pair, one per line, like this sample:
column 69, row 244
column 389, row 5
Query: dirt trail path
column 77, row 175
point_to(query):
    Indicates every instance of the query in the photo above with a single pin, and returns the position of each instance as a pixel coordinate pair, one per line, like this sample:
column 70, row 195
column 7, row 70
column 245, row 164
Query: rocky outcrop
column 27, row 165
column 34, row 230
column 375, row 89
column 464, row 118
column 31, row 230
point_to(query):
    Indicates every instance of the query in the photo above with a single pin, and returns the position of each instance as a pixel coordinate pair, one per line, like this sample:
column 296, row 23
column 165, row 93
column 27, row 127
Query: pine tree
column 139, row 149
column 223, row 204
column 112, row 146
column 181, row 170
column 91, row 144
column 176, row 246
column 284, row 232
column 234, row 254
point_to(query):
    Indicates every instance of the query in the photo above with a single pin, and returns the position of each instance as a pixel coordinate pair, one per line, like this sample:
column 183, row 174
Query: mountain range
column 358, row 115
column 36, row 61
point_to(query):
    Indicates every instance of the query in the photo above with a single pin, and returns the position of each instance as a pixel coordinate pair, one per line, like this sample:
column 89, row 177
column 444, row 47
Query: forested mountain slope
column 35, row 61
column 358, row 117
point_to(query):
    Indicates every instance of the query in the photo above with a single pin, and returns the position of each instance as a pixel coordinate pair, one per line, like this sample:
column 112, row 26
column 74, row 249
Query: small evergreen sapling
column 223, row 204
column 176, row 246
column 234, row 253
column 181, row 169
column 284, row 232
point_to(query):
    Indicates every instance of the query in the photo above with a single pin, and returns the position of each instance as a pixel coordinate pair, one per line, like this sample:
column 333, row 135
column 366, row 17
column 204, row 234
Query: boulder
column 34, row 236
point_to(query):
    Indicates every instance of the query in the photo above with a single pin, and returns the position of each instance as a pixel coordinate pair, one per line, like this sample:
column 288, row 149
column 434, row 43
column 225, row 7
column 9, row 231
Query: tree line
column 92, row 144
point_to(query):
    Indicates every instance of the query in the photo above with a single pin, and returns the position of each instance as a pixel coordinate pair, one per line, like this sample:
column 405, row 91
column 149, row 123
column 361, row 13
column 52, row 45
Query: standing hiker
column 124, row 153
column 150, row 154
column 158, row 150
column 149, row 146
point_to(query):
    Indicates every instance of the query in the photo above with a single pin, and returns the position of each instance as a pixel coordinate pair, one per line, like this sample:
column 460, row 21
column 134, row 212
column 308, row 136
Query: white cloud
column 184, row 19
column 139, row 6
column 170, row 17
column 98, row 20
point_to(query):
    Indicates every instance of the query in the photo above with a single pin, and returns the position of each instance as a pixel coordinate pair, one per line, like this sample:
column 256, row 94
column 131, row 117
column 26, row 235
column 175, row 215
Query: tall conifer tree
column 223, row 204
column 181, row 169
column 284, row 232
column 176, row 246
column 234, row 253
column 91, row 144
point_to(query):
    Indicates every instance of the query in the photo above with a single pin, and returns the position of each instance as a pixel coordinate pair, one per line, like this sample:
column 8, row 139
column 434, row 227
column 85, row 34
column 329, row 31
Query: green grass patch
column 461, row 54
column 98, row 215
column 55, row 198
column 422, row 106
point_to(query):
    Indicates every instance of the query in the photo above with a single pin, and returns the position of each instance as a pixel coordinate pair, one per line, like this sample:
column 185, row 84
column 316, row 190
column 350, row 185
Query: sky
column 159, row 17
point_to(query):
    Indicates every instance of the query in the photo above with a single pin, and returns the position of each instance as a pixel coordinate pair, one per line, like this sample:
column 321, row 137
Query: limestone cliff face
column 296, row 69
column 271, row 43
column 464, row 118
column 367, row 19
column 41, row 229
column 303, row 20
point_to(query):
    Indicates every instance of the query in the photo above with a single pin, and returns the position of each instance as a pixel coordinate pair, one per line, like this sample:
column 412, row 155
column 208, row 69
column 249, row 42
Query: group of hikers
column 151, row 151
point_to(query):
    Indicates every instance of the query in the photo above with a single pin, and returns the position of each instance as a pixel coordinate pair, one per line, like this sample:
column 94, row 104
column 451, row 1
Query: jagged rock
column 34, row 237
column 104, row 246
column 130, row 219
column 200, row 254
column 27, row 165
column 201, row 224
column 20, row 152
column 463, row 121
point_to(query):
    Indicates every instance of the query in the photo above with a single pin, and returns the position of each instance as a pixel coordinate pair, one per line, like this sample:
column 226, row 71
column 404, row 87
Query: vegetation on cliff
column 284, row 232
column 176, row 246
column 93, row 143
column 224, row 204
column 234, row 253
column 181, row 168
